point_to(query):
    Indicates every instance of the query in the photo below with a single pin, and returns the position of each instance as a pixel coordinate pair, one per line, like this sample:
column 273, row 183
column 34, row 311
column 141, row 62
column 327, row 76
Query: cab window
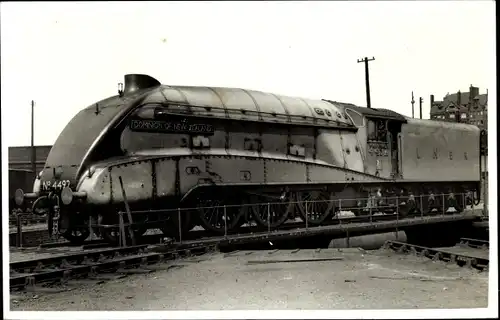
column 377, row 130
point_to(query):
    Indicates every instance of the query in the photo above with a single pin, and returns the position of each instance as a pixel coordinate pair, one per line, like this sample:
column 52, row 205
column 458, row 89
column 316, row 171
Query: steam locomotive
column 157, row 147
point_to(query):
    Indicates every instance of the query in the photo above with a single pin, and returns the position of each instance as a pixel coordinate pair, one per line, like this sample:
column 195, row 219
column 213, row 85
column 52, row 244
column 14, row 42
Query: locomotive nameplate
column 182, row 126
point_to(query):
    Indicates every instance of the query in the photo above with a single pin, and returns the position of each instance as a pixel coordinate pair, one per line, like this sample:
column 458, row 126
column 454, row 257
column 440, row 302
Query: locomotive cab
column 379, row 133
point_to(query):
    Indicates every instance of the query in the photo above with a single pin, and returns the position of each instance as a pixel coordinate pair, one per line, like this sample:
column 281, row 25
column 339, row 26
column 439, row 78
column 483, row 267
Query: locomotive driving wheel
column 271, row 211
column 316, row 206
column 219, row 213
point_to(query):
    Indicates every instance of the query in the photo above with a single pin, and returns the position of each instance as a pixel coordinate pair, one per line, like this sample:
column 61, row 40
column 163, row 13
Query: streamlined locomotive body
column 161, row 147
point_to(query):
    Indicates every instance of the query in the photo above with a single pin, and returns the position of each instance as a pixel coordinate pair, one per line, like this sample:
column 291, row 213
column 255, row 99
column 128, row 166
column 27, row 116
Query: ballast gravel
column 377, row 279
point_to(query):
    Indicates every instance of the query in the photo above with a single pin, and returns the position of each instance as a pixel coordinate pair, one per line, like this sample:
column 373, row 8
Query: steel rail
column 438, row 254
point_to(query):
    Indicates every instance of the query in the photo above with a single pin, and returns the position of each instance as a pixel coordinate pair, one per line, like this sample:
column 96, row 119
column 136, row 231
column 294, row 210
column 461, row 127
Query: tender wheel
column 320, row 207
column 212, row 216
column 279, row 210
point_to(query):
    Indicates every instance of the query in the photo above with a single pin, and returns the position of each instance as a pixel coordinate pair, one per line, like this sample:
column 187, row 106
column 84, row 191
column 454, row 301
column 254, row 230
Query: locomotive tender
column 199, row 147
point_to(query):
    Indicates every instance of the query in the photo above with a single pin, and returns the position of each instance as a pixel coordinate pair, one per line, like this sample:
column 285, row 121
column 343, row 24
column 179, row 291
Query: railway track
column 95, row 265
column 462, row 259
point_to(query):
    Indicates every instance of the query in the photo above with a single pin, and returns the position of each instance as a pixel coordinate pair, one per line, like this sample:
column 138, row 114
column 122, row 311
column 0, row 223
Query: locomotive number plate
column 55, row 185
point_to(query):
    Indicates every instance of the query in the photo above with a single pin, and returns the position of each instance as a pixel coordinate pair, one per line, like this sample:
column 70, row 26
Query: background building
column 466, row 107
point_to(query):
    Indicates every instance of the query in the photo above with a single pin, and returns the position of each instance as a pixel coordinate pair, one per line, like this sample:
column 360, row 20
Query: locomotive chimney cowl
column 459, row 98
column 135, row 82
column 432, row 100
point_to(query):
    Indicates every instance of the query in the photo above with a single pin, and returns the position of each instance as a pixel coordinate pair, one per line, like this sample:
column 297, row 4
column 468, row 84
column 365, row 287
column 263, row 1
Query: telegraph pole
column 412, row 106
column 367, row 79
column 33, row 150
column 421, row 101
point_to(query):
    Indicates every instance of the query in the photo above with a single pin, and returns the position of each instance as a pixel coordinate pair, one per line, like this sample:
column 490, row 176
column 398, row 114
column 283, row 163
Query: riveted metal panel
column 255, row 168
column 234, row 170
column 270, row 107
column 240, row 140
column 297, row 108
column 323, row 110
column 193, row 171
column 158, row 95
column 254, row 105
column 218, row 139
column 97, row 186
column 361, row 137
column 275, row 141
column 172, row 95
column 330, row 147
column 286, row 171
column 303, row 137
column 132, row 141
column 165, row 177
column 137, row 181
column 322, row 174
column 239, row 104
column 427, row 146
column 203, row 97
column 353, row 158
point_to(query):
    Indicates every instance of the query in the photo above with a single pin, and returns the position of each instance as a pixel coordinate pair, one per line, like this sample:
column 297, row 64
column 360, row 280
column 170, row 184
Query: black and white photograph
column 249, row 159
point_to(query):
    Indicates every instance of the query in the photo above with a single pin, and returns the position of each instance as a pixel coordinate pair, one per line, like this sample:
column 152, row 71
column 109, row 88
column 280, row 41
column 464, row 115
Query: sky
column 66, row 56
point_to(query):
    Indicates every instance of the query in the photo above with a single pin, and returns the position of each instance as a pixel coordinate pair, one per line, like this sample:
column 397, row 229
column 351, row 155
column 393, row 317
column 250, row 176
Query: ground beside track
column 377, row 279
